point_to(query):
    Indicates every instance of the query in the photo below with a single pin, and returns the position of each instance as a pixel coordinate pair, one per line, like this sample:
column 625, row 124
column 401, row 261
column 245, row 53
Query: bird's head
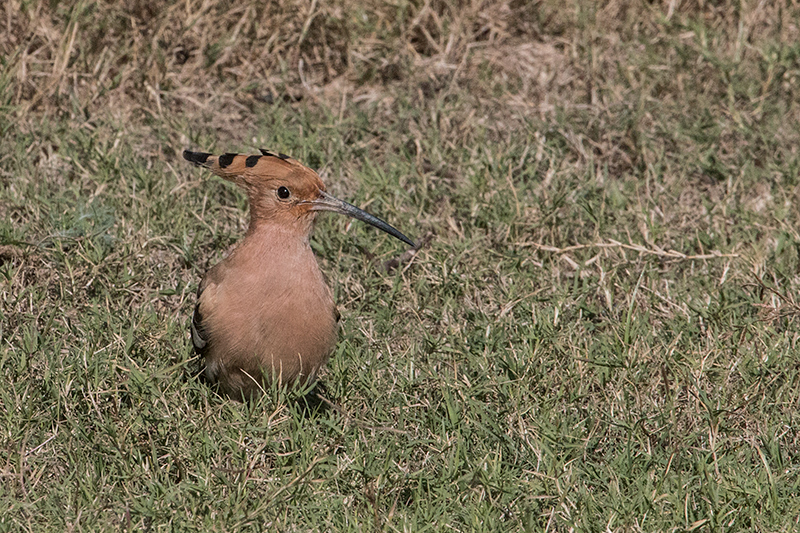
column 283, row 190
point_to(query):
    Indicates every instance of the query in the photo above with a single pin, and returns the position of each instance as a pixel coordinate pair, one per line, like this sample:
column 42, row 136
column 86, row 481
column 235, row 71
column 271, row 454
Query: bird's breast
column 267, row 313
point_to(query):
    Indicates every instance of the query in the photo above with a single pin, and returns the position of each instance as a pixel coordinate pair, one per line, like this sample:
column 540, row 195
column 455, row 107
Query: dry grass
column 601, row 333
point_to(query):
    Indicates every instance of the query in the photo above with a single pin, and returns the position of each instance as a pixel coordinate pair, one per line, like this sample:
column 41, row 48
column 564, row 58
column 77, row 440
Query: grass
column 601, row 333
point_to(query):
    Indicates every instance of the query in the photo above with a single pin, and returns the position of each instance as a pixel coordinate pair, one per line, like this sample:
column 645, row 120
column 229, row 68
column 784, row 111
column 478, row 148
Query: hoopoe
column 265, row 314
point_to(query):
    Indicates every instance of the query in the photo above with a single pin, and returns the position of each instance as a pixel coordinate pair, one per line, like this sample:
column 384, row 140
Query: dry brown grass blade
column 669, row 254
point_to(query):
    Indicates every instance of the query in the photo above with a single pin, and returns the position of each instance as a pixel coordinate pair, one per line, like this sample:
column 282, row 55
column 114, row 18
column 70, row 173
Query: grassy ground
column 601, row 333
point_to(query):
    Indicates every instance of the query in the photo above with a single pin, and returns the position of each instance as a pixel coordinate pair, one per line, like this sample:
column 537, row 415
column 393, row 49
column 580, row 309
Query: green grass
column 601, row 333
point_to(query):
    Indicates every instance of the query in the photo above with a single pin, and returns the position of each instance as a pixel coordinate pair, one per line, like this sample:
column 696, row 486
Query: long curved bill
column 326, row 202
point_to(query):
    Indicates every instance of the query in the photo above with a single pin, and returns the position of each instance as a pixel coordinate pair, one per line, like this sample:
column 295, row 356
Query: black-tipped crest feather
column 198, row 158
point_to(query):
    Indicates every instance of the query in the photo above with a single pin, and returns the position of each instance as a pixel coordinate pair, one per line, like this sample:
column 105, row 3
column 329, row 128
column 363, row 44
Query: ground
column 600, row 332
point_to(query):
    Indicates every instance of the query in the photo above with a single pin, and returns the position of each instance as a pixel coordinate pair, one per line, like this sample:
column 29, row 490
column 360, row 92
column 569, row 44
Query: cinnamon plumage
column 265, row 314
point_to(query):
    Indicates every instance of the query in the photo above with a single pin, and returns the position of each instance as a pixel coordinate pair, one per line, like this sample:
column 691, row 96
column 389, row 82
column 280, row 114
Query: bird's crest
column 230, row 165
column 281, row 188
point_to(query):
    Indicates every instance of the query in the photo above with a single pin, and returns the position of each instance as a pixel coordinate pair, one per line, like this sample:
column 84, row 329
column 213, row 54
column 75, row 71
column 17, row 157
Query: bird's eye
column 283, row 193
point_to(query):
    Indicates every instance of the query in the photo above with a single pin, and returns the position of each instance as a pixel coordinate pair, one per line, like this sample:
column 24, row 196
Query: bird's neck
column 271, row 252
column 295, row 227
column 279, row 237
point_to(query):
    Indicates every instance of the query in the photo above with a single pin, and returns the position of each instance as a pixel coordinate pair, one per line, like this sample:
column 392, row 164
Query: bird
column 265, row 314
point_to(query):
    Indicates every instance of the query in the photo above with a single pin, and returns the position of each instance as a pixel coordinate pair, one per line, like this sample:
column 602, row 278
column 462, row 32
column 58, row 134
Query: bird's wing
column 199, row 337
column 206, row 296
